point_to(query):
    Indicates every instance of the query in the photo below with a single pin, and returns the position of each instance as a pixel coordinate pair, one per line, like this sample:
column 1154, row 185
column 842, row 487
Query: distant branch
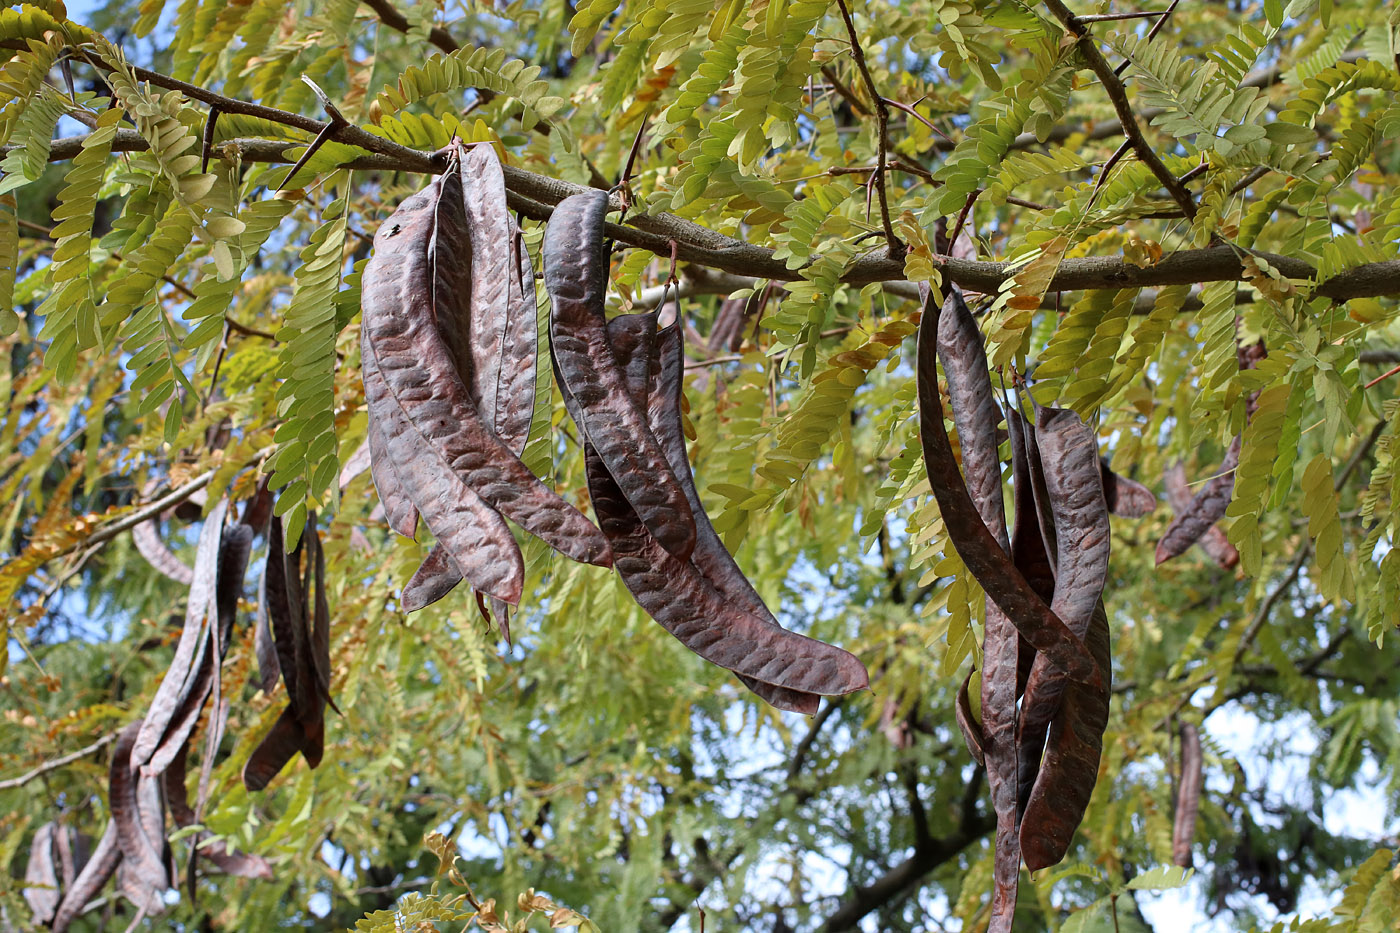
column 1113, row 86
column 55, row 764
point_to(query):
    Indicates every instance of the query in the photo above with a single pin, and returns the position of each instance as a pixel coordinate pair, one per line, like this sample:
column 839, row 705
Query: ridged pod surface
column 575, row 273
column 654, row 366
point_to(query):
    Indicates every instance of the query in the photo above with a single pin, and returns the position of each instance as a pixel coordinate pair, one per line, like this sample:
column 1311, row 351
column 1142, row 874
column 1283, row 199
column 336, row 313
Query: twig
column 1151, row 33
column 57, row 763
column 882, row 123
column 1119, row 96
column 857, row 105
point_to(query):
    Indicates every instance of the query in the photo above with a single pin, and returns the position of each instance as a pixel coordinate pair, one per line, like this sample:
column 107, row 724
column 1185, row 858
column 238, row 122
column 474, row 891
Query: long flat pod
column 503, row 327
column 93, row 876
column 575, row 273
column 976, row 415
column 1069, row 450
column 139, row 852
column 473, row 534
column 654, row 364
column 1071, row 765
column 184, row 666
column 401, row 339
column 1188, row 796
column 979, row 550
column 975, row 411
column 279, row 746
column 967, row 723
column 399, row 509
column 229, row 862
column 286, row 606
column 679, row 597
column 1204, row 510
column 1213, row 541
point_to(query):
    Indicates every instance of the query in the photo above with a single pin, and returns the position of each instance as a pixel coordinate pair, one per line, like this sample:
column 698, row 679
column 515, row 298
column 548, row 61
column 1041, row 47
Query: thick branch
column 1113, row 86
column 534, row 195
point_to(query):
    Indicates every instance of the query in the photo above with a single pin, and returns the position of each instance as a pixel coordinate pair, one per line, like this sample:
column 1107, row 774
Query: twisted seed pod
column 93, row 876
column 1203, row 511
column 979, row 550
column 409, row 275
column 1069, row 452
column 1213, row 541
column 654, row 368
column 1069, row 770
column 575, row 273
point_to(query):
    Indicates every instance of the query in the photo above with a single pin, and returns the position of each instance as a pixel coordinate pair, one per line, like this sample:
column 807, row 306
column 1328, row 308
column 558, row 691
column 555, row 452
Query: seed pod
column 1204, row 510
column 1213, row 541
column 979, row 550
column 146, row 537
column 1069, row 453
column 967, row 723
column 503, row 330
column 42, row 890
column 975, row 411
column 471, row 532
column 182, row 675
column 976, row 415
column 1127, row 498
column 96, row 871
column 575, row 273
column 1188, row 796
column 1071, row 765
column 233, row 863
column 654, row 365
column 142, row 854
column 403, row 284
column 398, row 508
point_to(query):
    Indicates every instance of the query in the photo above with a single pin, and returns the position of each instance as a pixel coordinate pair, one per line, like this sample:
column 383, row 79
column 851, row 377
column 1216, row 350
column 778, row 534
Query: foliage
column 175, row 325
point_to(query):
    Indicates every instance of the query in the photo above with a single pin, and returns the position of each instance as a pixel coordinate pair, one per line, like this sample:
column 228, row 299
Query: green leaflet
column 305, row 464
column 1257, row 455
column 1334, row 578
column 481, row 68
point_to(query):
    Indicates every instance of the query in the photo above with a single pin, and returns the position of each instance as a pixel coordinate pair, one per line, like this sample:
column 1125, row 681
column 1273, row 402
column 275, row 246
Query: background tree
column 1142, row 190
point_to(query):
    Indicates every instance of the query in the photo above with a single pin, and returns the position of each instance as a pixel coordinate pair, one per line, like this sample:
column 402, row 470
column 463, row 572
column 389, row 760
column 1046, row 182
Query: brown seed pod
column 1126, row 498
column 979, row 550
column 575, row 274
column 182, row 676
column 1203, row 511
column 654, row 365
column 967, row 723
column 93, row 876
column 1213, row 541
column 398, row 507
column 1069, row 453
column 473, row 535
column 415, row 251
column 1070, row 768
column 1188, row 796
column 142, row 854
column 177, row 799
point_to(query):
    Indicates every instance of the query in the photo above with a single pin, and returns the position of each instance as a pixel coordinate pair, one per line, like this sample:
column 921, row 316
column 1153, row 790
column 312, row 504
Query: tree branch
column 57, row 763
column 1113, row 86
column 882, row 132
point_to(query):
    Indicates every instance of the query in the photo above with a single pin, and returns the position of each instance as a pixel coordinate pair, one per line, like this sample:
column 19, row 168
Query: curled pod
column 1188, row 796
column 415, row 253
column 984, row 557
column 183, row 674
column 1213, row 541
column 141, row 853
column 1205, row 509
column 976, row 416
column 1069, row 452
column 967, row 723
column 575, row 274
column 93, row 876
column 1070, row 767
column 654, row 366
